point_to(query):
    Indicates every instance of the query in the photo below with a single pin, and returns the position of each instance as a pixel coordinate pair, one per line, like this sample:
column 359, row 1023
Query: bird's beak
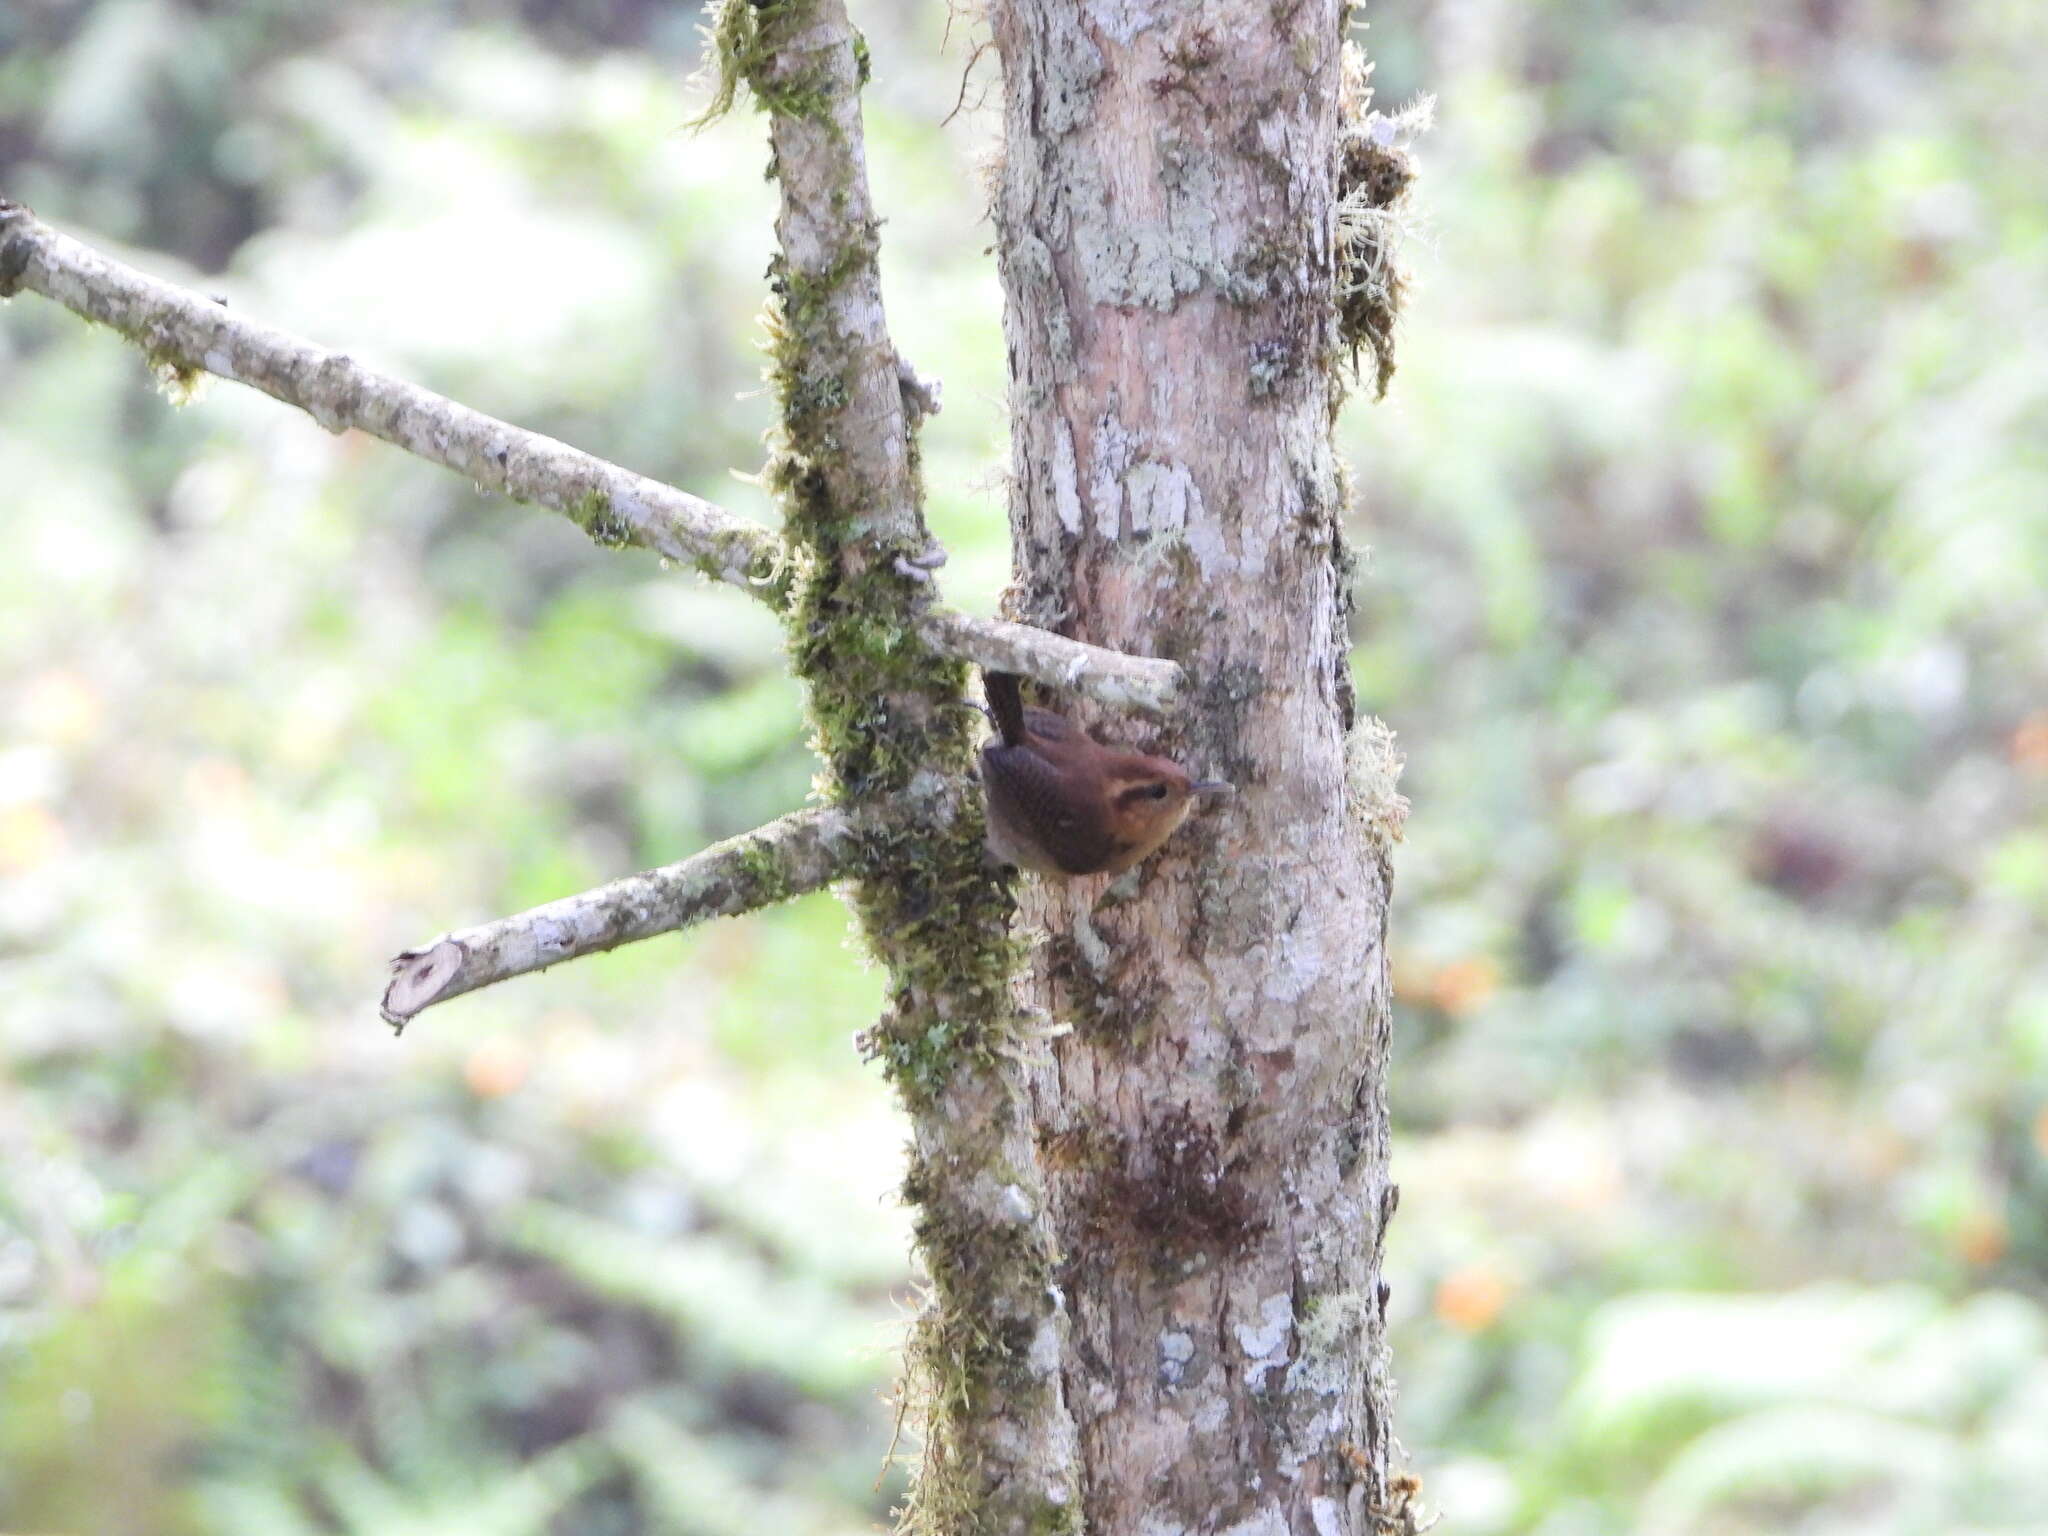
column 1219, row 789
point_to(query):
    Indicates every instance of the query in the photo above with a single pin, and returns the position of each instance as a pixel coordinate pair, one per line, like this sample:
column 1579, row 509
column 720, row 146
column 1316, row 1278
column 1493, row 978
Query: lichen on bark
column 1374, row 174
column 1213, row 1122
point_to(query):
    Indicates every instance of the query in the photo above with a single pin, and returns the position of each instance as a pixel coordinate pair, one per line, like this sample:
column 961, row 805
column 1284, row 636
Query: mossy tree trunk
column 891, row 727
column 1213, row 1131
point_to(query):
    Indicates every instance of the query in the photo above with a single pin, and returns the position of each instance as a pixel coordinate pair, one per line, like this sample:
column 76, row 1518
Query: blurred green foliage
column 1709, row 532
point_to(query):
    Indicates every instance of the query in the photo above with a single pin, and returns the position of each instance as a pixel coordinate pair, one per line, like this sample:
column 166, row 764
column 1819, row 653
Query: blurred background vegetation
column 1708, row 519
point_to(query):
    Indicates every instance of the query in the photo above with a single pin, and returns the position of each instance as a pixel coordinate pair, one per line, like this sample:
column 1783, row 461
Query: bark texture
column 1214, row 1131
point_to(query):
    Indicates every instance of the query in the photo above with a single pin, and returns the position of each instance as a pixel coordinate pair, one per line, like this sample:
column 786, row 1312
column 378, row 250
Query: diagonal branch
column 188, row 334
column 798, row 854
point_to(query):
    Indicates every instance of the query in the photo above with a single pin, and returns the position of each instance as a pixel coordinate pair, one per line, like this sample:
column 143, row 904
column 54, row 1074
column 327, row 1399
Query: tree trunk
column 1213, row 1130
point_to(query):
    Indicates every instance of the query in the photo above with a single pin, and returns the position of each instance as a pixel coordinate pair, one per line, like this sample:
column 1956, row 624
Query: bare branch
column 793, row 856
column 189, row 333
column 1109, row 677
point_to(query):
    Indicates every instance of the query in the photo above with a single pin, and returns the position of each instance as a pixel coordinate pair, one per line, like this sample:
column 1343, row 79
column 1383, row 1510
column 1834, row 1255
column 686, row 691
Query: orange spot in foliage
column 1463, row 985
column 2029, row 744
column 1982, row 1238
column 2041, row 1131
column 495, row 1068
column 1472, row 1299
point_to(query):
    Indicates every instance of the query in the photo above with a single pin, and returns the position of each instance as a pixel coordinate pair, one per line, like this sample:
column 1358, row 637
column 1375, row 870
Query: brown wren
column 1062, row 803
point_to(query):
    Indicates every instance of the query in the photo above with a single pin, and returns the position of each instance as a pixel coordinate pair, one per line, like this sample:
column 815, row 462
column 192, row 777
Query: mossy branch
column 793, row 856
column 738, row 54
column 983, row 1380
column 184, row 334
column 190, row 333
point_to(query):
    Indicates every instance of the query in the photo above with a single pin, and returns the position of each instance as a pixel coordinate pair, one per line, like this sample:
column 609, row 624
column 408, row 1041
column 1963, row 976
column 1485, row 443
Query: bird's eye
column 1155, row 792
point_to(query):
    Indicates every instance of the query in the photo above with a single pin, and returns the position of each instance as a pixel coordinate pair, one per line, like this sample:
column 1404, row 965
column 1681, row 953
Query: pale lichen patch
column 1114, row 449
column 1208, row 545
column 1161, row 497
column 1066, row 489
column 1330, row 1338
column 1068, row 86
column 1033, row 257
column 1176, row 1349
column 1122, row 19
column 1042, row 1360
column 1129, row 491
column 1146, row 246
column 1373, row 770
column 1296, row 965
column 1265, row 1344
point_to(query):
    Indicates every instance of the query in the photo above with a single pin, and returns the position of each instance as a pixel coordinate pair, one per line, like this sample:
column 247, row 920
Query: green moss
column 936, row 914
column 769, row 573
column 592, row 512
column 887, row 722
column 807, row 93
column 974, row 1356
column 759, row 873
column 882, row 710
column 732, row 41
column 803, row 296
column 740, row 41
column 179, row 381
column 1058, row 1520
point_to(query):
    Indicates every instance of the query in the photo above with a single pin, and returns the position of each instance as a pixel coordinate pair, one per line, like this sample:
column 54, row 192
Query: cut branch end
column 418, row 978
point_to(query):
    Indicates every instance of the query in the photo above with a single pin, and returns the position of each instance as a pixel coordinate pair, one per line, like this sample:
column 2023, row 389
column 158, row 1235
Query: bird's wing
column 1037, row 799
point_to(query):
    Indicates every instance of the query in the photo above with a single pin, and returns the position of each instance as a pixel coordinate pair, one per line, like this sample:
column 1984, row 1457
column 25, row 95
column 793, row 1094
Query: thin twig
column 966, row 73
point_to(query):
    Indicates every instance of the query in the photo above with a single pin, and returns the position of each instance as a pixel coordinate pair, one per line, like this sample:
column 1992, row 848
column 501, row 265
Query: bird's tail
column 1005, row 704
